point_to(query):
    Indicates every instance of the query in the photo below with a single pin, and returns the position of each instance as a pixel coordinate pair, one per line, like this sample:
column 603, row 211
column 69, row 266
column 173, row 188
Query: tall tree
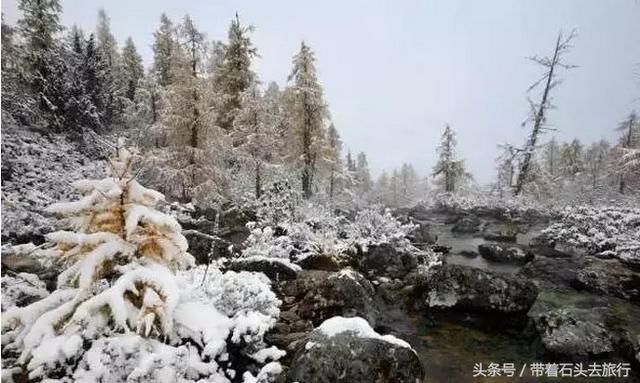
column 131, row 67
column 255, row 138
column 449, row 170
column 630, row 139
column 539, row 111
column 188, row 167
column 164, row 47
column 335, row 148
column 307, row 114
column 234, row 75
column 42, row 66
column 108, row 46
column 362, row 173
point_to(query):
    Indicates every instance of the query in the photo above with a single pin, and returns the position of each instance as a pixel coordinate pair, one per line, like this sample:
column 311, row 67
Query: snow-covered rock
column 348, row 350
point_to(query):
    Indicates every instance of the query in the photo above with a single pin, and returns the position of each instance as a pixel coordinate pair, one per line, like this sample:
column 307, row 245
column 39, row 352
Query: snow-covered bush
column 277, row 205
column 21, row 288
column 607, row 231
column 374, row 227
column 120, row 312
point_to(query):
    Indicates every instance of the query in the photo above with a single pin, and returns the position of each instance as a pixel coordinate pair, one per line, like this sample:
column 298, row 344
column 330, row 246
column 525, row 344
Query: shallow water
column 449, row 352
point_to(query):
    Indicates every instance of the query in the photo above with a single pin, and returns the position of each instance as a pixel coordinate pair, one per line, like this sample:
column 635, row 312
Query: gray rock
column 275, row 269
column 553, row 273
column 609, row 278
column 466, row 288
column 320, row 295
column 580, row 325
column 498, row 253
column 347, row 358
column 385, row 260
column 467, row 224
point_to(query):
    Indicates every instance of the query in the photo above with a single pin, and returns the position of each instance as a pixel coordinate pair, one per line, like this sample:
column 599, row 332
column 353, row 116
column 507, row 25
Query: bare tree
column 538, row 111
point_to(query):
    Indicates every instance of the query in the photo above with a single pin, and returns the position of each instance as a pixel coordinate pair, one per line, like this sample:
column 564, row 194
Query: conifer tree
column 234, row 75
column 107, row 45
column 119, row 265
column 255, row 140
column 363, row 176
column 629, row 140
column 449, row 170
column 307, row 112
column 42, row 65
column 131, row 68
column 164, row 48
column 335, row 166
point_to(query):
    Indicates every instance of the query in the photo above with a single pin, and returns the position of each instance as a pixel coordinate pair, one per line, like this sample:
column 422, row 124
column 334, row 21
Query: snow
column 37, row 171
column 265, row 354
column 358, row 327
column 20, row 286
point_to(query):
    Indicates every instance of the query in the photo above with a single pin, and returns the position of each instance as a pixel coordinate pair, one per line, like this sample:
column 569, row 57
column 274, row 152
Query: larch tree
column 254, row 137
column 131, row 68
column 538, row 117
column 186, row 165
column 307, row 113
column 234, row 75
column 449, row 171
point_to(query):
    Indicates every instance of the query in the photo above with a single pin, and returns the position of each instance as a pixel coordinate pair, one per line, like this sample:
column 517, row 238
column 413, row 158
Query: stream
column 449, row 348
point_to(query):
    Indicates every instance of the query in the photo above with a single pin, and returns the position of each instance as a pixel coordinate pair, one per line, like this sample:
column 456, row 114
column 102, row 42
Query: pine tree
column 596, row 163
column 131, row 68
column 307, row 113
column 234, row 75
column 164, row 48
column 449, row 170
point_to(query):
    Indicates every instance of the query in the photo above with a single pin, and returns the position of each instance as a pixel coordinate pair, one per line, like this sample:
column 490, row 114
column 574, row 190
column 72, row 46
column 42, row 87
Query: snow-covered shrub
column 607, row 231
column 120, row 313
column 265, row 243
column 21, row 288
column 277, row 205
column 373, row 226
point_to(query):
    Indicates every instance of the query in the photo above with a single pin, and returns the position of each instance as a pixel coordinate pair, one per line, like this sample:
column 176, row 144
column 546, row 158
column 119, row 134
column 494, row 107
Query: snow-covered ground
column 37, row 170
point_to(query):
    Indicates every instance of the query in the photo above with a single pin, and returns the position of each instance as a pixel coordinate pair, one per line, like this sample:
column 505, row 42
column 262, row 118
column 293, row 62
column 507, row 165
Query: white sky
column 395, row 72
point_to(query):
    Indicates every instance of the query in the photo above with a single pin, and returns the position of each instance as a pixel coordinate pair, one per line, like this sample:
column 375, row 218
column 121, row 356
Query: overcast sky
column 395, row 72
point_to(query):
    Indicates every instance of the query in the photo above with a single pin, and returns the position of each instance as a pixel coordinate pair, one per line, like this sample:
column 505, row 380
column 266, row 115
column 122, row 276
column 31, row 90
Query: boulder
column 500, row 237
column 468, row 253
column 422, row 234
column 321, row 262
column 497, row 253
column 553, row 273
column 352, row 352
column 609, row 277
column 467, row 224
column 465, row 288
column 385, row 259
column 318, row 295
column 579, row 325
column 274, row 268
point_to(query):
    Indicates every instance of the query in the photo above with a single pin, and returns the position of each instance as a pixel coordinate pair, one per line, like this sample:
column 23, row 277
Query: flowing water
column 449, row 349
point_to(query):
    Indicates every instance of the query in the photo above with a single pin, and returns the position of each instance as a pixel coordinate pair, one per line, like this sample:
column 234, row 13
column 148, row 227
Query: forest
column 183, row 220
